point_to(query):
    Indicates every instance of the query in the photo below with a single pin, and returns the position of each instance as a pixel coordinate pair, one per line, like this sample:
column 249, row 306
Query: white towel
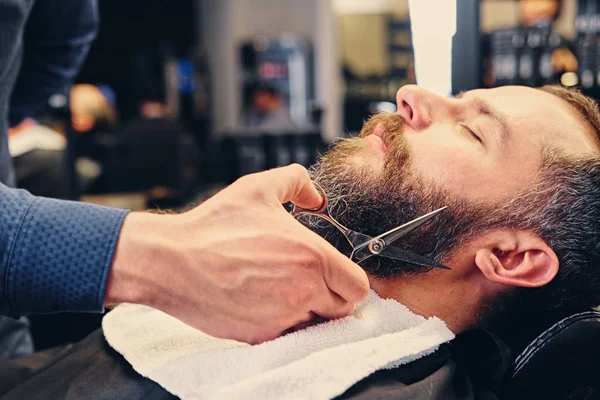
column 319, row 362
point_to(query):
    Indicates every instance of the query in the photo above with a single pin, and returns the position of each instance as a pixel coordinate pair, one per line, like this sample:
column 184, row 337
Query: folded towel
column 319, row 362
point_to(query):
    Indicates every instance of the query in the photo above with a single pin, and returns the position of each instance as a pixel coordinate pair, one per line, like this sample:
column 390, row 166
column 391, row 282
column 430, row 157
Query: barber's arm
column 238, row 266
column 56, row 40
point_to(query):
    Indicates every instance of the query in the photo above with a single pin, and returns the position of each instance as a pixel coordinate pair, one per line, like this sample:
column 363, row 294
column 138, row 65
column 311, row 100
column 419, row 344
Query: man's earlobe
column 517, row 259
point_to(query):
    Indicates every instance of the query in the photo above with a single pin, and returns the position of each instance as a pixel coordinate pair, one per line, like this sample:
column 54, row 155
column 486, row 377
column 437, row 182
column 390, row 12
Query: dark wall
column 133, row 36
column 466, row 47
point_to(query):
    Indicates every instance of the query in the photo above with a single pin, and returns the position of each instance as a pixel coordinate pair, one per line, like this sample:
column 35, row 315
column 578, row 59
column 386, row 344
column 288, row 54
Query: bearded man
column 518, row 170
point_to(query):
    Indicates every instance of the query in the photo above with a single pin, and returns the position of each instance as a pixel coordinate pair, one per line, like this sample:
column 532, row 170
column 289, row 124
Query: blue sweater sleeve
column 55, row 255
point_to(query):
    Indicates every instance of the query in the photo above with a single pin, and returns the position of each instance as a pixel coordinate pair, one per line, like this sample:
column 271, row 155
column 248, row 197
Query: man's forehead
column 535, row 112
column 524, row 101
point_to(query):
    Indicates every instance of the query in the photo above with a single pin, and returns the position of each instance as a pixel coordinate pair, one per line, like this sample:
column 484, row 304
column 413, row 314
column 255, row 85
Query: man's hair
column 585, row 106
column 564, row 209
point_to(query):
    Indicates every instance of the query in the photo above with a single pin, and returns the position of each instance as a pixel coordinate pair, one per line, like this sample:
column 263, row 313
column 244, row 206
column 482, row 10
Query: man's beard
column 373, row 202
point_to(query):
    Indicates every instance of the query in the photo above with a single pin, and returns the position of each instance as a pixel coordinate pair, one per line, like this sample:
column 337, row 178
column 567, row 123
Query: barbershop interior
column 177, row 100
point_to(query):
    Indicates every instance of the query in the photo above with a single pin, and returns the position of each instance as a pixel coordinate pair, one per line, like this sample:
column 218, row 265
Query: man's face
column 486, row 144
column 470, row 153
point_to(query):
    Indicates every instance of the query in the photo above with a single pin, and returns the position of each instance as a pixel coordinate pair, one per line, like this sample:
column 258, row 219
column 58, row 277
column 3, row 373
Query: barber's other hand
column 238, row 266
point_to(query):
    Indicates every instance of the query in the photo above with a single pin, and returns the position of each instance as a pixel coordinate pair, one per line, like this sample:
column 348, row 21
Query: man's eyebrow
column 485, row 108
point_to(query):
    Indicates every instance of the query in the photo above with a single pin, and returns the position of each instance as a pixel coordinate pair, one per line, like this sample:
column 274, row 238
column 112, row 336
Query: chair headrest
column 563, row 362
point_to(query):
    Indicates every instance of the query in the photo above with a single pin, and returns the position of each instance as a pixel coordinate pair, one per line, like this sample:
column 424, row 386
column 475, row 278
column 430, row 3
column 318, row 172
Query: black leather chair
column 563, row 362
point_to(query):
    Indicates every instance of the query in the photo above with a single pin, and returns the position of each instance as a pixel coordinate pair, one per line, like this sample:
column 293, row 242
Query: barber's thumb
column 293, row 183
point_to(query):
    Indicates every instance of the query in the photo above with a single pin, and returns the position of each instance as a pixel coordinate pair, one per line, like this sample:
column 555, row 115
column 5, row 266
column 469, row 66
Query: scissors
column 364, row 246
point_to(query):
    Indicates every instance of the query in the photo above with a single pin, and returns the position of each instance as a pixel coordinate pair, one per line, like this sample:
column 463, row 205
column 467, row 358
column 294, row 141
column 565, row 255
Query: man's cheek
column 456, row 173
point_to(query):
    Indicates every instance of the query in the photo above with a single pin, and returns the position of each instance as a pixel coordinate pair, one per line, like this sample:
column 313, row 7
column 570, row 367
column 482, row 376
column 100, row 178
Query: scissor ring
column 323, row 197
column 319, row 210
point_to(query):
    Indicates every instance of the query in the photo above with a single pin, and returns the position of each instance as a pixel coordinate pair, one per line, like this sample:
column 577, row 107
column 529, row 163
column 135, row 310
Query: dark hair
column 563, row 209
column 585, row 106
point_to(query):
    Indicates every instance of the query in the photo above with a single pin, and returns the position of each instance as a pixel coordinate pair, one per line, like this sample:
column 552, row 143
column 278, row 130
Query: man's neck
column 428, row 295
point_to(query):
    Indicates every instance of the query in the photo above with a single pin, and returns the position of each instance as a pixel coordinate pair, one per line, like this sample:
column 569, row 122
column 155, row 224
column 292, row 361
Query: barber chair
column 551, row 357
column 563, row 362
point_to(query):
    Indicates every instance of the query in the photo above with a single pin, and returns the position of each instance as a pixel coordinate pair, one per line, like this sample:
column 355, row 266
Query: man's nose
column 419, row 107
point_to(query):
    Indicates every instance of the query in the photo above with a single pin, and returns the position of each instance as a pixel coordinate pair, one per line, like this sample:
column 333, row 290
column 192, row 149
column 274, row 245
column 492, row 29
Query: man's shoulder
column 470, row 367
column 431, row 374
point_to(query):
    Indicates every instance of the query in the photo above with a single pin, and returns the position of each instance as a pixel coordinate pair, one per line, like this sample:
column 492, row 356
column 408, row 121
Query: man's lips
column 377, row 138
column 376, row 143
column 379, row 131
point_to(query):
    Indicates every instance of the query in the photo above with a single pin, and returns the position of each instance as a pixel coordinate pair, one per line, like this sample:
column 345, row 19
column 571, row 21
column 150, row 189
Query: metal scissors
column 364, row 246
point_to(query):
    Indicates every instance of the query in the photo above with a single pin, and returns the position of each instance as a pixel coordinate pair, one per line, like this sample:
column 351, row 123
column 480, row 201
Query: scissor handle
column 322, row 209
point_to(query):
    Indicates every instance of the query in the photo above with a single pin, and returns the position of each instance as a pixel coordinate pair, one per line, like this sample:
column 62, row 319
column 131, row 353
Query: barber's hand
column 238, row 266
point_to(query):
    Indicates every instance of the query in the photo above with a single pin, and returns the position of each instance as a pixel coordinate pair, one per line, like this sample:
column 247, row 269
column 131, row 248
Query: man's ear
column 516, row 258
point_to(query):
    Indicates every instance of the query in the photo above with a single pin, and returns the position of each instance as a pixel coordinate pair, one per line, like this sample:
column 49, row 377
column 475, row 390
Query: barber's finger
column 292, row 183
column 332, row 306
column 344, row 277
column 308, row 320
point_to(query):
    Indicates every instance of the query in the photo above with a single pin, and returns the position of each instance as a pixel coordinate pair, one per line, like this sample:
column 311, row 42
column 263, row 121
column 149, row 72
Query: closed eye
column 470, row 132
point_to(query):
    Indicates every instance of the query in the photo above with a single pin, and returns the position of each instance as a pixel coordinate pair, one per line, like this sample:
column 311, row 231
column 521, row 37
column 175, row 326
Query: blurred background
column 179, row 98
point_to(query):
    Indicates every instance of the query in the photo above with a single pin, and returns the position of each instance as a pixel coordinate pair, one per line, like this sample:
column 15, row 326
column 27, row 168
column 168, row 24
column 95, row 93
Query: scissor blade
column 408, row 256
column 392, row 235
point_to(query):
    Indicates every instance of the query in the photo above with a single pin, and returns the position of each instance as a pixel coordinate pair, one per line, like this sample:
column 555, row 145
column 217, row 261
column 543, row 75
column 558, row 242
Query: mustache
column 392, row 124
